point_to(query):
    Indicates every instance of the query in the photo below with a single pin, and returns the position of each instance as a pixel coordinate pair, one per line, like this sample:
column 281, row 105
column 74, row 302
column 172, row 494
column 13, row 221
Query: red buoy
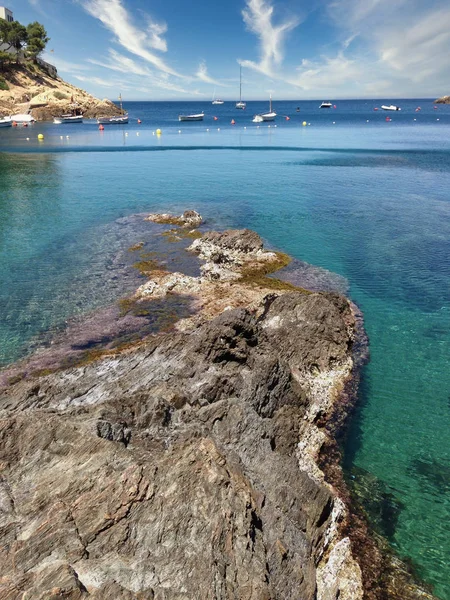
column 375, row 108
column 233, row 122
column 14, row 124
column 215, row 118
column 388, row 119
column 101, row 128
column 139, row 121
column 334, row 106
column 288, row 118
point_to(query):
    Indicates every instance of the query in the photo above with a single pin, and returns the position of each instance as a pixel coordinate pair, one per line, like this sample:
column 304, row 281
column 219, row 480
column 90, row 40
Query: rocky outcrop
column 32, row 89
column 189, row 465
column 190, row 218
column 443, row 100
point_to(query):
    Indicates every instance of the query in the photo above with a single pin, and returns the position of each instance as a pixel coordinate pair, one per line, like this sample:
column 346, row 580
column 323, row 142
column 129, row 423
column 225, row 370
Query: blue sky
column 294, row 49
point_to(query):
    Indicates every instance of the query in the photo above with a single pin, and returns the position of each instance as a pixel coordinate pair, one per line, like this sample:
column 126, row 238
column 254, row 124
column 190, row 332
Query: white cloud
column 202, row 74
column 96, row 81
column 137, row 41
column 258, row 16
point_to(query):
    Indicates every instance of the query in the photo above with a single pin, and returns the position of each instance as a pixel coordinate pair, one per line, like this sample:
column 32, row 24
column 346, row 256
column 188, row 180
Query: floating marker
column 218, row 129
column 233, row 122
column 137, row 132
column 245, row 127
column 158, row 132
column 274, row 125
column 179, row 131
column 61, row 137
column 207, row 130
column 414, row 119
column 215, row 118
column 288, row 118
column 101, row 128
column 139, row 121
column 67, row 137
column 28, row 139
column 367, row 121
column 334, row 106
column 304, row 123
column 334, row 122
column 40, row 136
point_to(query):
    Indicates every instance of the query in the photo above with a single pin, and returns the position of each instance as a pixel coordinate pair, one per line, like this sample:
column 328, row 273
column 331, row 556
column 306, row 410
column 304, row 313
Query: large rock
column 174, row 471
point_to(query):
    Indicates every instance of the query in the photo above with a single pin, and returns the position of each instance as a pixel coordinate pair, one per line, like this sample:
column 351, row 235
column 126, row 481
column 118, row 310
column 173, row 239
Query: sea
column 360, row 192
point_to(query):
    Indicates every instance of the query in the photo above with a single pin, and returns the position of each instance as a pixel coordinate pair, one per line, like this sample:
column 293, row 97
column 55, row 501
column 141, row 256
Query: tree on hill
column 37, row 39
column 14, row 36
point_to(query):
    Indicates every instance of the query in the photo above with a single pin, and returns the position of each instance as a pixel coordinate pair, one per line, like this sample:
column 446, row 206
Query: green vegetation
column 3, row 84
column 30, row 41
column 60, row 96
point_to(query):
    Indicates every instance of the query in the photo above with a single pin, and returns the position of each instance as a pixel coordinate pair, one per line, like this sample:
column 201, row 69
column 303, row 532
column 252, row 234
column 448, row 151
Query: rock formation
column 46, row 96
column 188, row 466
column 443, row 100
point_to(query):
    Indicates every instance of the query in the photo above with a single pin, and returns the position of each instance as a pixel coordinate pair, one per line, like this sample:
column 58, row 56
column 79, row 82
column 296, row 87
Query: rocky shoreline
column 443, row 100
column 199, row 462
column 31, row 88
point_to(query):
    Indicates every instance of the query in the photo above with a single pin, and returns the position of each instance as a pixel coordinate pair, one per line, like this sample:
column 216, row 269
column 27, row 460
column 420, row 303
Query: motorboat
column 22, row 118
column 326, row 105
column 268, row 116
column 68, row 119
column 390, row 107
column 5, row 122
column 197, row 117
column 241, row 104
column 120, row 120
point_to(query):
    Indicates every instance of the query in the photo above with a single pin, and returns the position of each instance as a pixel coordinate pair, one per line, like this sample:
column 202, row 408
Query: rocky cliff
column 32, row 88
column 200, row 463
column 443, row 100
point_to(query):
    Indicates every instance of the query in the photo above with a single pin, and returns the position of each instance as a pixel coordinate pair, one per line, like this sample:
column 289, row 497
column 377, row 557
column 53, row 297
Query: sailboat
column 120, row 120
column 268, row 116
column 240, row 104
column 216, row 100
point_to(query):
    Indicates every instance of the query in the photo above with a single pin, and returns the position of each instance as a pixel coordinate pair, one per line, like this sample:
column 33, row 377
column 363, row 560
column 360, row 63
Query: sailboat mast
column 120, row 99
column 270, row 105
column 240, row 83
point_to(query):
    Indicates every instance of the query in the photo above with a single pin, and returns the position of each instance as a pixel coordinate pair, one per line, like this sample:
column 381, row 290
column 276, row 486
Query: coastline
column 234, row 279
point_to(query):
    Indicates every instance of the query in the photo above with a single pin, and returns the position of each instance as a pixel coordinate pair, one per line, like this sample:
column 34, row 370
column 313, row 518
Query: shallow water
column 369, row 201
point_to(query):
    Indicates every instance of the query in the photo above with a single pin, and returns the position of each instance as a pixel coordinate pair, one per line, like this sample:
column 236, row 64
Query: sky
column 292, row 49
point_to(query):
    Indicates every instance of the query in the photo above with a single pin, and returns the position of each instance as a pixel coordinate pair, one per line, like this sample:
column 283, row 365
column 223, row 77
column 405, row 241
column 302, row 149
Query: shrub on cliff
column 3, row 84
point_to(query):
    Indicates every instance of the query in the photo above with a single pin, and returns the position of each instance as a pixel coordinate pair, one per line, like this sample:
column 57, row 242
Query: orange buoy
column 14, row 124
column 25, row 124
column 101, row 128
column 388, row 119
column 334, row 106
column 139, row 121
column 288, row 118
column 233, row 122
column 376, row 108
column 215, row 118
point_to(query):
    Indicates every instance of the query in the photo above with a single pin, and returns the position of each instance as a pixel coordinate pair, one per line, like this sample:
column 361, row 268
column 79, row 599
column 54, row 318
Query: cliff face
column 443, row 100
column 31, row 87
column 189, row 466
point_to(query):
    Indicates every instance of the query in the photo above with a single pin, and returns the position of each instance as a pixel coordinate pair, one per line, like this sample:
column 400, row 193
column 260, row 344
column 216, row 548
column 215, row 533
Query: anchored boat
column 197, row 117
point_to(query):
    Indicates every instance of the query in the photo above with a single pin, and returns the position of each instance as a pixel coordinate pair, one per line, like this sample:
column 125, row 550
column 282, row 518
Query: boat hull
column 217, row 102
column 63, row 119
column 241, row 105
column 113, row 120
column 264, row 117
column 5, row 122
column 191, row 117
column 22, row 118
column 391, row 107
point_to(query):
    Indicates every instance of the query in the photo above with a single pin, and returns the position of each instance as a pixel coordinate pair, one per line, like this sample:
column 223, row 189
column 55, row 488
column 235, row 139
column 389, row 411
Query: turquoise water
column 370, row 201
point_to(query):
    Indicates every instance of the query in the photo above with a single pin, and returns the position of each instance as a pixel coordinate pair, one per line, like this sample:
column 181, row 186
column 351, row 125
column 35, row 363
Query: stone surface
column 443, row 100
column 190, row 218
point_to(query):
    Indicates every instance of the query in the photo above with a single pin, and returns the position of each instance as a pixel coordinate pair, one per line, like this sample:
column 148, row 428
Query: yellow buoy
column 158, row 132
column 41, row 136
column 304, row 123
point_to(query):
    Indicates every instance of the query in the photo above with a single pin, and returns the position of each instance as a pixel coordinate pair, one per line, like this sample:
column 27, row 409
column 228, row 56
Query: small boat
column 22, row 118
column 241, row 104
column 216, row 100
column 5, row 122
column 326, row 105
column 197, row 117
column 390, row 107
column 122, row 119
column 68, row 119
column 268, row 116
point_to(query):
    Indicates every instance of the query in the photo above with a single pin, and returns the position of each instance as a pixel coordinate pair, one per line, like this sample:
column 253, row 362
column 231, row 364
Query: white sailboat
column 241, row 104
column 268, row 116
column 122, row 119
column 216, row 100
column 197, row 117
column 5, row 122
